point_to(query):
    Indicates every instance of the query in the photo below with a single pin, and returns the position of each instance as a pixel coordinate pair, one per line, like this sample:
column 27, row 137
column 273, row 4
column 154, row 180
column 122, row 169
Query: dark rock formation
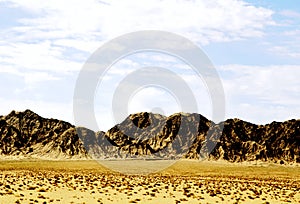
column 160, row 136
column 192, row 136
column 243, row 141
column 97, row 145
column 26, row 133
column 180, row 135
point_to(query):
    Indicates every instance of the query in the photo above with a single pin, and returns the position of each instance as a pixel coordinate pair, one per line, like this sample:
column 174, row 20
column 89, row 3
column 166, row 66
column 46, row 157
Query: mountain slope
column 26, row 133
column 192, row 136
column 164, row 137
column 180, row 135
column 243, row 141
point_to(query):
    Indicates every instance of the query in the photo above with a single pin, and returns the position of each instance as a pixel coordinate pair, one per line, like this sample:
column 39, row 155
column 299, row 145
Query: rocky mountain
column 243, row 141
column 192, row 136
column 158, row 136
column 28, row 134
column 97, row 145
column 151, row 136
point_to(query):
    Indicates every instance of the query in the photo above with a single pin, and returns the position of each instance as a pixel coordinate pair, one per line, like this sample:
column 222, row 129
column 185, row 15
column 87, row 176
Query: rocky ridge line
column 181, row 135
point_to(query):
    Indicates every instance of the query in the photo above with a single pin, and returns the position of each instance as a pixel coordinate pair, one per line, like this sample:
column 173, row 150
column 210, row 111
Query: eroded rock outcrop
column 192, row 136
column 164, row 137
column 28, row 134
column 148, row 135
column 243, row 141
column 97, row 145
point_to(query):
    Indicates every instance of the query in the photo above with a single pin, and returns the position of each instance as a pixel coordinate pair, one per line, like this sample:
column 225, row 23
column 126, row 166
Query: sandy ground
column 183, row 182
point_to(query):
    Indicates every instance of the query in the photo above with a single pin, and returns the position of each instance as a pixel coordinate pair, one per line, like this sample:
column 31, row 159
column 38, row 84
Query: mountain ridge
column 180, row 135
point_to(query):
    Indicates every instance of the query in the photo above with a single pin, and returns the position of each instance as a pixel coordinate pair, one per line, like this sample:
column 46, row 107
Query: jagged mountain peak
column 187, row 135
column 27, row 133
column 25, row 112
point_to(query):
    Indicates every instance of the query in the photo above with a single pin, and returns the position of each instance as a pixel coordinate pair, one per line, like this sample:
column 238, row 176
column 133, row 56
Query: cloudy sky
column 254, row 45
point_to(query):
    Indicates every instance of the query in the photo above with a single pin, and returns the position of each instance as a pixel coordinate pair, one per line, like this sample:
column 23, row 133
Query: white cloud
column 289, row 49
column 290, row 14
column 262, row 94
column 258, row 94
column 287, row 44
column 36, row 56
column 149, row 98
column 58, row 36
column 206, row 21
column 35, row 77
column 293, row 33
column 61, row 111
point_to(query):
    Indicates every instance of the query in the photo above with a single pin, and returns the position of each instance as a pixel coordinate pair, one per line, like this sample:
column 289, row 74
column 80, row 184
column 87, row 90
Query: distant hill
column 181, row 135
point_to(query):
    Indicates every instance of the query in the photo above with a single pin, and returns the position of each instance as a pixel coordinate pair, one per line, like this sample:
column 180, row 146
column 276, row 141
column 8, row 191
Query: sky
column 253, row 44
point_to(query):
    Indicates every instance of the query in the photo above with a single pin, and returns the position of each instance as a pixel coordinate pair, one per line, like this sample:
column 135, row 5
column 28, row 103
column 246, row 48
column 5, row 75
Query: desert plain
column 45, row 181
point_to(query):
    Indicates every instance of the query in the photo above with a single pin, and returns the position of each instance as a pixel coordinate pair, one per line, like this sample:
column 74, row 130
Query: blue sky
column 254, row 45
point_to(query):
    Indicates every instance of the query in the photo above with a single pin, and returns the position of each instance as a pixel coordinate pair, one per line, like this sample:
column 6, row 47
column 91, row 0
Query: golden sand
column 183, row 182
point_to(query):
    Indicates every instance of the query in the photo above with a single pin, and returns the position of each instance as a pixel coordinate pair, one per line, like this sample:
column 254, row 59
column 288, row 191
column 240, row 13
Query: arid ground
column 183, row 182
